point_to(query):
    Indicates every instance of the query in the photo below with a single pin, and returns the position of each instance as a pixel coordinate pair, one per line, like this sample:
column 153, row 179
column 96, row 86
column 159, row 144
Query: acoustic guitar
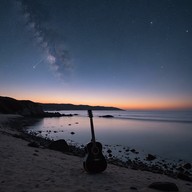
column 95, row 161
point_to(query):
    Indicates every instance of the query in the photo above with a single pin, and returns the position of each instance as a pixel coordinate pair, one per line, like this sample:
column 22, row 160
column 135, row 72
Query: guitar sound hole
column 95, row 151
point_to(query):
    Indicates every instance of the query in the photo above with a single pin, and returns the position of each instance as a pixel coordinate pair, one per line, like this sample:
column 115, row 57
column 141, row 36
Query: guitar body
column 94, row 162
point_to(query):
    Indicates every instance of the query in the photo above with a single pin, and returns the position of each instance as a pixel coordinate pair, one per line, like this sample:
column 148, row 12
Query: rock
column 109, row 151
column 180, row 169
column 187, row 166
column 110, row 155
column 107, row 116
column 59, row 145
column 133, row 150
column 18, row 136
column 133, row 188
column 184, row 177
column 51, row 114
column 33, row 144
column 127, row 150
column 72, row 133
column 164, row 186
column 150, row 157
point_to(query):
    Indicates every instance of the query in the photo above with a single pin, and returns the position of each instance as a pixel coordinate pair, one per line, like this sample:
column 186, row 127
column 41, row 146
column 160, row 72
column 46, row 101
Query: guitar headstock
column 90, row 114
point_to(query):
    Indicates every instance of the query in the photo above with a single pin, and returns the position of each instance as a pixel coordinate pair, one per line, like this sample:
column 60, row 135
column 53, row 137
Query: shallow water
column 166, row 134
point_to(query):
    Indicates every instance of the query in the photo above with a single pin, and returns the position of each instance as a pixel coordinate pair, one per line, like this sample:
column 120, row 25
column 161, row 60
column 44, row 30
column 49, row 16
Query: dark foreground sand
column 26, row 169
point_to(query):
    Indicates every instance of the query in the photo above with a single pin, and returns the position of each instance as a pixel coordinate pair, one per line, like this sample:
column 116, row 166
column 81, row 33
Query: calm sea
column 167, row 134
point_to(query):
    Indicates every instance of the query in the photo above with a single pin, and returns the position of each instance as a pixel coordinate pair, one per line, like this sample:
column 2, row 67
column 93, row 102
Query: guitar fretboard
column 92, row 127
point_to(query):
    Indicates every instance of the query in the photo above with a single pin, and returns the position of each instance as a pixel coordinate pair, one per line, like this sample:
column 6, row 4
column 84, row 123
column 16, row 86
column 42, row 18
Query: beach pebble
column 110, row 155
column 127, row 150
column 164, row 186
column 107, row 116
column 133, row 150
column 109, row 151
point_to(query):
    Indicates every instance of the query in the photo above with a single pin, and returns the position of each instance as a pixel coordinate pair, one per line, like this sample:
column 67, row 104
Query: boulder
column 150, row 157
column 33, row 144
column 184, row 177
column 164, row 186
column 59, row 145
column 187, row 166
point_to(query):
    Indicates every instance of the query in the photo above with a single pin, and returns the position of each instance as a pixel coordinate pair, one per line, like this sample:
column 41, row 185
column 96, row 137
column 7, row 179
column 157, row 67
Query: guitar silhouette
column 95, row 161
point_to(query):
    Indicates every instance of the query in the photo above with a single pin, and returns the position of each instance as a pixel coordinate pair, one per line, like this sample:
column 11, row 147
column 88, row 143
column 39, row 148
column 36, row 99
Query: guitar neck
column 92, row 130
column 92, row 127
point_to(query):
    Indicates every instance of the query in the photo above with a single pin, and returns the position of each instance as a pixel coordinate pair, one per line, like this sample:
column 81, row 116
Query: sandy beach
column 24, row 169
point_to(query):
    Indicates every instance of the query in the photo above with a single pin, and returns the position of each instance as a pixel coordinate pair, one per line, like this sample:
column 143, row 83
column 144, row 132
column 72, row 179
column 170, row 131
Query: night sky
column 132, row 54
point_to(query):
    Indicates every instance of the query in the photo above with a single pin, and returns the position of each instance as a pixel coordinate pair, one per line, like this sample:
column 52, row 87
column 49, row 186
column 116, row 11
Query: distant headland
column 59, row 107
column 10, row 105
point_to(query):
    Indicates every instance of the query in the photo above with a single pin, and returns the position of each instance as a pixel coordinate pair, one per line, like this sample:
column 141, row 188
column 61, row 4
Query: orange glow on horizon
column 129, row 104
column 156, row 105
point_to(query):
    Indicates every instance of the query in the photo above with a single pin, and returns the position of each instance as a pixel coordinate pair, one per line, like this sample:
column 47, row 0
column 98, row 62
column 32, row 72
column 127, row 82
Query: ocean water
column 167, row 134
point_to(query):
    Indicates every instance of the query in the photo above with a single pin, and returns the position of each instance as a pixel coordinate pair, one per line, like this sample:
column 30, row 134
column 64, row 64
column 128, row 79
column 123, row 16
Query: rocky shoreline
column 181, row 170
column 29, row 164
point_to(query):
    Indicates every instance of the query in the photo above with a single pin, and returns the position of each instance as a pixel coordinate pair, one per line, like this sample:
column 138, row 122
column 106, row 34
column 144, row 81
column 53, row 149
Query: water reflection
column 165, row 138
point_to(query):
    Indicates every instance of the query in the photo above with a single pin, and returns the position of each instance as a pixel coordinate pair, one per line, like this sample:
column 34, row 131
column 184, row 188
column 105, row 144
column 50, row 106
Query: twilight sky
column 132, row 54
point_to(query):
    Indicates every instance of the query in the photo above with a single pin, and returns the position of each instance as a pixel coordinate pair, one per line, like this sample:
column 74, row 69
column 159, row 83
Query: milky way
column 130, row 54
column 36, row 20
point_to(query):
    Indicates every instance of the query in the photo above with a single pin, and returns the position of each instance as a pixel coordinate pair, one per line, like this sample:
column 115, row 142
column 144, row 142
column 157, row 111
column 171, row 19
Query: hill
column 59, row 107
column 22, row 107
column 10, row 105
